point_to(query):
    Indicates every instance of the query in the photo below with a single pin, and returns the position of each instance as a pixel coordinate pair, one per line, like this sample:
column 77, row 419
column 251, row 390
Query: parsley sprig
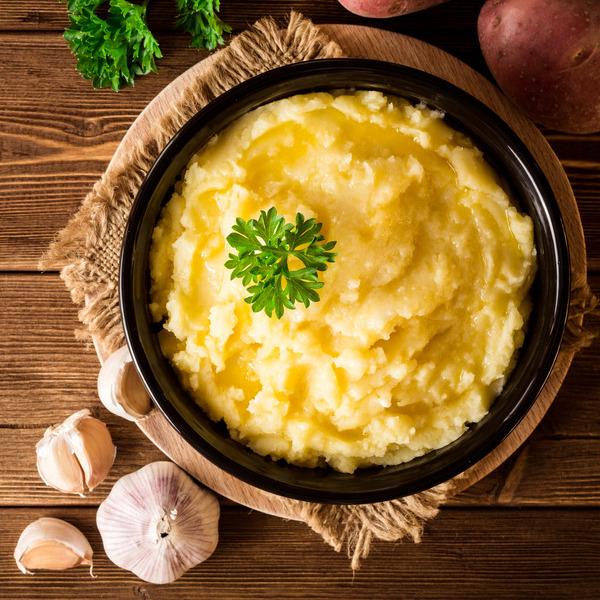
column 199, row 18
column 264, row 246
column 113, row 51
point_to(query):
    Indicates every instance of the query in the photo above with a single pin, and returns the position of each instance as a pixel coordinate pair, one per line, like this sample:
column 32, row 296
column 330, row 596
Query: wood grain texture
column 20, row 484
column 50, row 15
column 547, row 472
column 56, row 137
column 550, row 554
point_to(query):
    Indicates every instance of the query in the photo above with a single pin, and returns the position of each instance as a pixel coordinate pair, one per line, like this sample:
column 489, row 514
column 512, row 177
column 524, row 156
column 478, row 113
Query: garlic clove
column 158, row 523
column 95, row 451
column 53, row 544
column 78, row 452
column 120, row 388
column 57, row 465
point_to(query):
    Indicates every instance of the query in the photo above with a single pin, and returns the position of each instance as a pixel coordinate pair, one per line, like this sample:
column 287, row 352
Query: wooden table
column 530, row 528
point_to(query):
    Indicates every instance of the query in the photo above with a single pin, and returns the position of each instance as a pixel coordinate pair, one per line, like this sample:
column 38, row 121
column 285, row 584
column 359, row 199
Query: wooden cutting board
column 363, row 42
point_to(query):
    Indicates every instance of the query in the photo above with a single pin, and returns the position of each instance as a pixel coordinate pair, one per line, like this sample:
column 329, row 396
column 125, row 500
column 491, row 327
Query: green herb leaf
column 111, row 52
column 264, row 247
column 199, row 18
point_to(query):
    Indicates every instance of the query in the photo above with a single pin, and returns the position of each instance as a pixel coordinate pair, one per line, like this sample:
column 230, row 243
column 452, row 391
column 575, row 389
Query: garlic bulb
column 120, row 388
column 77, row 453
column 52, row 544
column 158, row 523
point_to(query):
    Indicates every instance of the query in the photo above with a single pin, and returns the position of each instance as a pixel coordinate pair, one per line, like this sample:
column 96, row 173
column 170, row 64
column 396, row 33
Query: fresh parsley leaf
column 199, row 18
column 111, row 52
column 78, row 5
column 264, row 247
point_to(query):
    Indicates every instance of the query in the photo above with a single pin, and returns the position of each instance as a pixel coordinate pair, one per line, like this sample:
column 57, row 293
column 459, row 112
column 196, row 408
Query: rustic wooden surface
column 531, row 528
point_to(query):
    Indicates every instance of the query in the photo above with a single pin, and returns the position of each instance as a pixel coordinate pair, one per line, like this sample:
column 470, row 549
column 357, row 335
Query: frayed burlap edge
column 357, row 526
column 579, row 333
column 89, row 250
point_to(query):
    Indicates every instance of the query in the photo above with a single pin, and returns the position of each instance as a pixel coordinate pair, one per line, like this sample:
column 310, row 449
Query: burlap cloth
column 90, row 244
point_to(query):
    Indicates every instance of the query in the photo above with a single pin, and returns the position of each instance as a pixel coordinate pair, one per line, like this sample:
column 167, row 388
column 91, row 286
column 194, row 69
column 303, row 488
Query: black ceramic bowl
column 529, row 189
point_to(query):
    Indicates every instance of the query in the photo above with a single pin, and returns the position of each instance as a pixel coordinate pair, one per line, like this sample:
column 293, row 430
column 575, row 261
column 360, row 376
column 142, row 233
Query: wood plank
column 46, row 371
column 20, row 484
column 55, row 144
column 546, row 472
column 47, row 374
column 50, row 15
column 580, row 157
column 464, row 555
column 49, row 67
column 543, row 472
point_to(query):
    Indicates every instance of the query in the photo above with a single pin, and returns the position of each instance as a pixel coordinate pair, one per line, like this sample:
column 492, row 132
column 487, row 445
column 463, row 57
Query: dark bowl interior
column 530, row 191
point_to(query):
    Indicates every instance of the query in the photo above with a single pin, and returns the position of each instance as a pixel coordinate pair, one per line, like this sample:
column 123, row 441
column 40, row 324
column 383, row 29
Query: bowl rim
column 276, row 80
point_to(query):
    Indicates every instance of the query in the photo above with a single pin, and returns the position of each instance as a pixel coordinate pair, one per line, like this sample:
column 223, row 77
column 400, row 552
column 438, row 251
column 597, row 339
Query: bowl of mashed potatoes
column 436, row 325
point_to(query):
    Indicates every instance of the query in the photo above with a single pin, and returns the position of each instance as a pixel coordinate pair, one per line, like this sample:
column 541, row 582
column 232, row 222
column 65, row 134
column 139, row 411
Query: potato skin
column 545, row 55
column 384, row 9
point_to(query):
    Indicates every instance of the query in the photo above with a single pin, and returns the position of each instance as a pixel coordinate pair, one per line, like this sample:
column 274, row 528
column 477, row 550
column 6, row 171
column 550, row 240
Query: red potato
column 384, row 9
column 545, row 55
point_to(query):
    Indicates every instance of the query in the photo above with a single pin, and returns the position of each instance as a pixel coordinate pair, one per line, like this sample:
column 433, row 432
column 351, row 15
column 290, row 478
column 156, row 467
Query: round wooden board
column 363, row 42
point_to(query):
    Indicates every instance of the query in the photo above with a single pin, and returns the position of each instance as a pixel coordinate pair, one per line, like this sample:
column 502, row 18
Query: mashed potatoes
column 419, row 317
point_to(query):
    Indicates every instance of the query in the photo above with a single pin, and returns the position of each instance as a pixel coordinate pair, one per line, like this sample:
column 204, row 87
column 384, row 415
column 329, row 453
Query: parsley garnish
column 264, row 247
column 199, row 18
column 112, row 51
